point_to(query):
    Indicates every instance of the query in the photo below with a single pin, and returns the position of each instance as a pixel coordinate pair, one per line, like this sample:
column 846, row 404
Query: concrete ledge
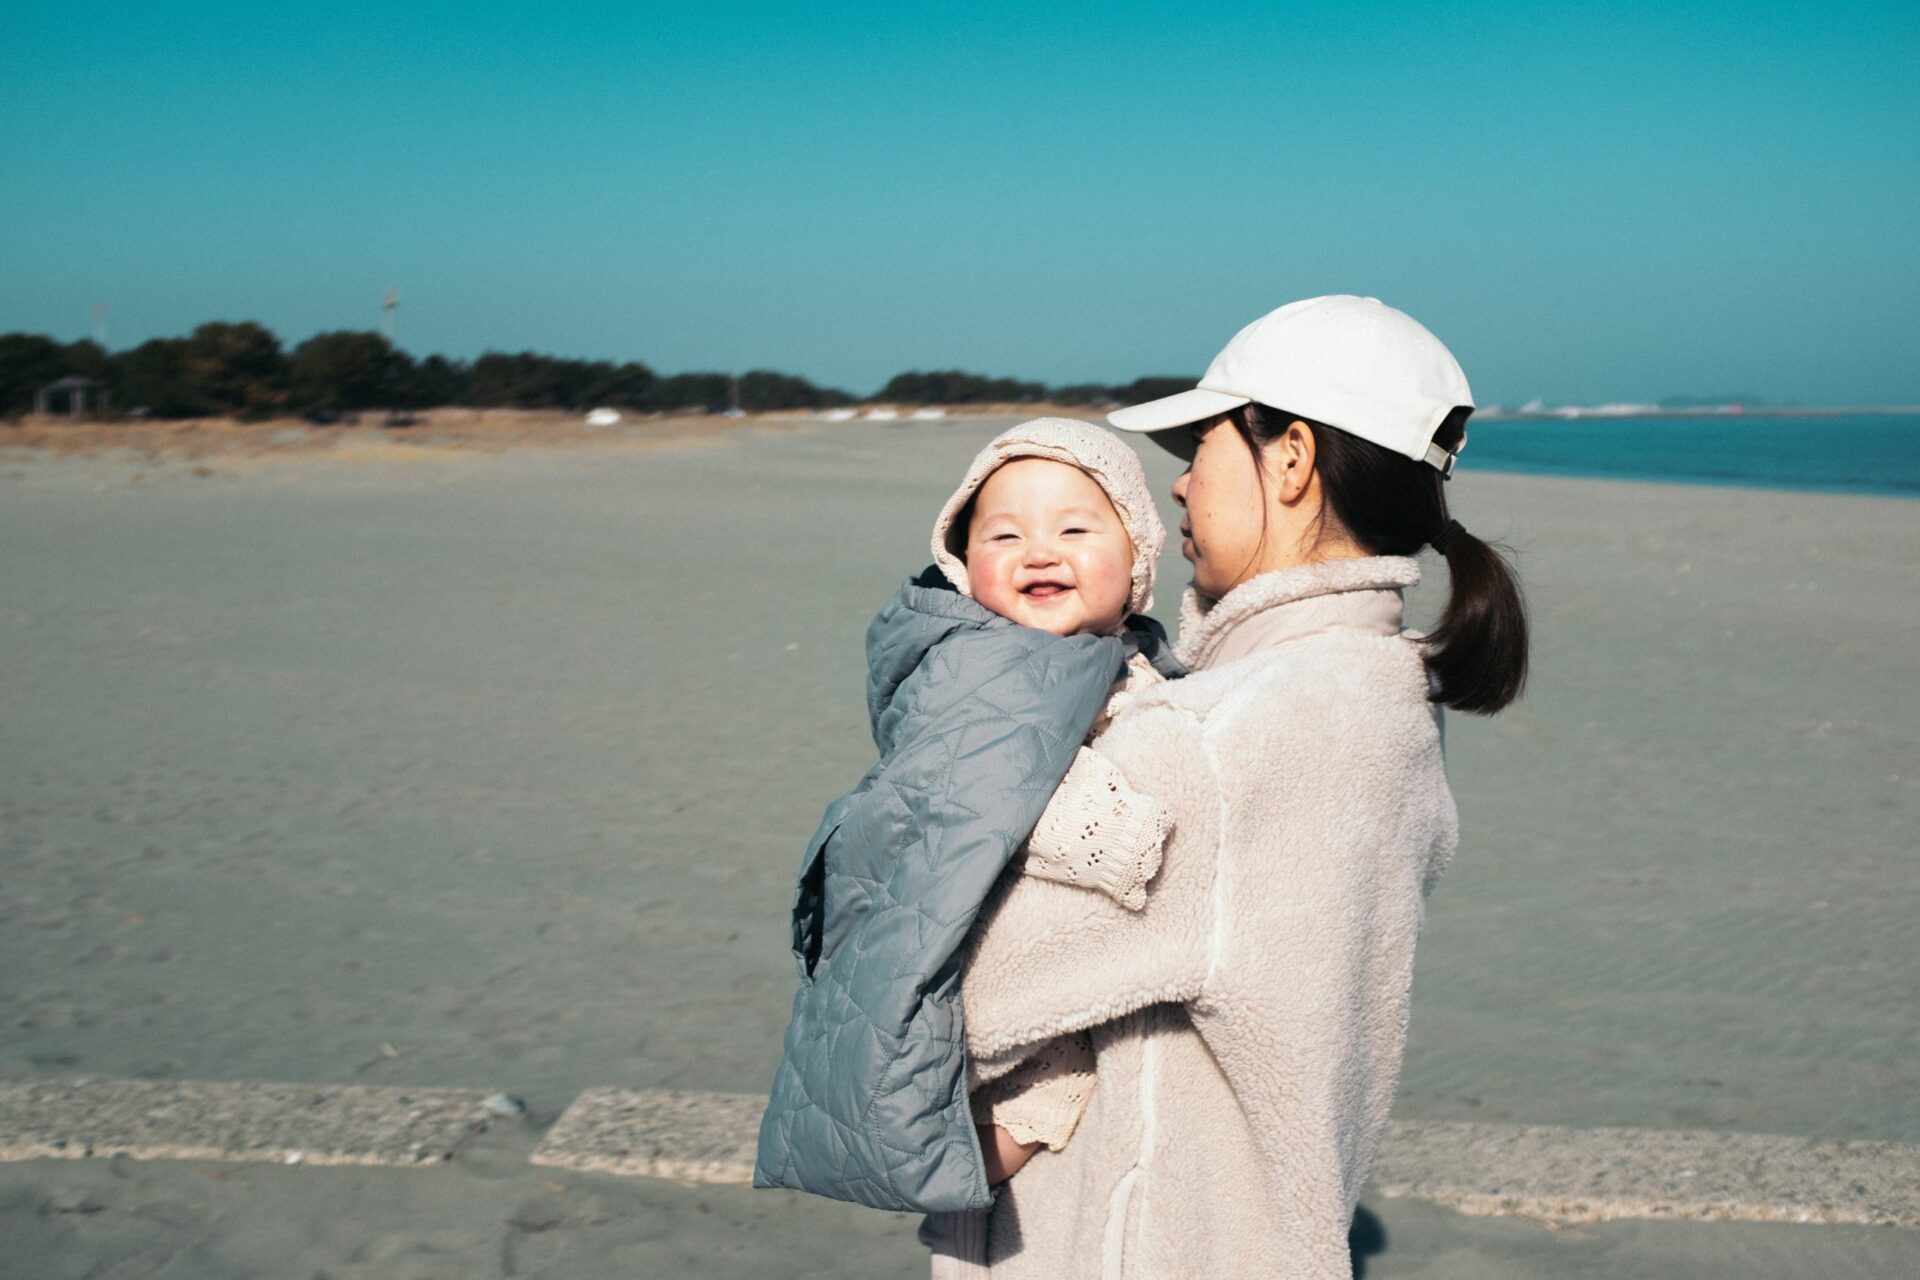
column 1536, row 1171
column 245, row 1121
column 1590, row 1175
column 686, row 1135
column 1539, row 1171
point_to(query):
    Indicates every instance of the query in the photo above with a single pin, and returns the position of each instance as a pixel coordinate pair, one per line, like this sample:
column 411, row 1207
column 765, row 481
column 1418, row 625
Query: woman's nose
column 1180, row 487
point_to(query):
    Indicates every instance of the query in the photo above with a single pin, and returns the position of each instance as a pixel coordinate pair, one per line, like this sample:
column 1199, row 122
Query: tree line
column 241, row 370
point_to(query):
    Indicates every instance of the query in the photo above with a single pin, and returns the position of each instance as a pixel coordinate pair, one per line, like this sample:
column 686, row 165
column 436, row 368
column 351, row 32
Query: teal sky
column 1611, row 202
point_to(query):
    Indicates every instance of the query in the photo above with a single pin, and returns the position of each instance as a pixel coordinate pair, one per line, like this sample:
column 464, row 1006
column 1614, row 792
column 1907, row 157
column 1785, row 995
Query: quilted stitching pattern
column 976, row 720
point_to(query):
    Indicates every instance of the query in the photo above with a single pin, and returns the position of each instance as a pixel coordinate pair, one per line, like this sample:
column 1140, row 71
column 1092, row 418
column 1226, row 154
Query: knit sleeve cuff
column 1099, row 833
column 1043, row 1098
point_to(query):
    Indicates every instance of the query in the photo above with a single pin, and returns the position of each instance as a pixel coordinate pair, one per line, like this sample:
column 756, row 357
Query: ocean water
column 1852, row 453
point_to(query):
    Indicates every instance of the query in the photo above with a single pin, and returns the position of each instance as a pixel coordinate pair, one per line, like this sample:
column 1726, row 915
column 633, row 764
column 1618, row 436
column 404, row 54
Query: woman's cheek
column 1207, row 556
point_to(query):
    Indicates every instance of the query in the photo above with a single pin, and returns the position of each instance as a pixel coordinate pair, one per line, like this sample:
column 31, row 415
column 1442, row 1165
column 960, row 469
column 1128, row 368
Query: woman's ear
column 1292, row 458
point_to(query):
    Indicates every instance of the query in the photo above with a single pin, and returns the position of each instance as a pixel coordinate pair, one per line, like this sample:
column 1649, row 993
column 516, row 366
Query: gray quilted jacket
column 976, row 719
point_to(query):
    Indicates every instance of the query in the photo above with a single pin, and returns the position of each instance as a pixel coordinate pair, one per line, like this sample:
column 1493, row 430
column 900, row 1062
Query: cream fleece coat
column 1248, row 1022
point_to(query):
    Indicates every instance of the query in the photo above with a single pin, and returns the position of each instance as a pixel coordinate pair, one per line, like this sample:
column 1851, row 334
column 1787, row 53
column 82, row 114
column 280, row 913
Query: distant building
column 76, row 390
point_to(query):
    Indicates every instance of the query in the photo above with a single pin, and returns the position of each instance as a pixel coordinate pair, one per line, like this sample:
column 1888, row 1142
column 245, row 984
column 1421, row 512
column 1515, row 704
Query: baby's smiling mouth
column 1045, row 590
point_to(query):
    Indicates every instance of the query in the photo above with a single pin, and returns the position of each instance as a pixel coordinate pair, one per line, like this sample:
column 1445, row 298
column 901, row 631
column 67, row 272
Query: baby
column 1037, row 539
column 1042, row 540
column 986, row 673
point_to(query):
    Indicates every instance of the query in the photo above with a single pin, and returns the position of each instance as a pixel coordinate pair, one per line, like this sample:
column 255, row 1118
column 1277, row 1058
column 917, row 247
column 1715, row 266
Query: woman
column 1248, row 1024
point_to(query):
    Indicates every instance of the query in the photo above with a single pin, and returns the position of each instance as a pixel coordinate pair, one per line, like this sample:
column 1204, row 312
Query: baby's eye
column 1003, row 537
column 1075, row 530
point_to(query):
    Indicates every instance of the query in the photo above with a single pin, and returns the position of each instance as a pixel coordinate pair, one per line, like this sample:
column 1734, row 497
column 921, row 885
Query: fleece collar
column 1360, row 594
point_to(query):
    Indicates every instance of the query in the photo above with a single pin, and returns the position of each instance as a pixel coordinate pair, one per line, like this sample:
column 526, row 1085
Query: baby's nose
column 1042, row 551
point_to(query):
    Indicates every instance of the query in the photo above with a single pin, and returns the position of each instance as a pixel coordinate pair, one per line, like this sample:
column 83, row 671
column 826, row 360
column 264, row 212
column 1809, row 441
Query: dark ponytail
column 1392, row 506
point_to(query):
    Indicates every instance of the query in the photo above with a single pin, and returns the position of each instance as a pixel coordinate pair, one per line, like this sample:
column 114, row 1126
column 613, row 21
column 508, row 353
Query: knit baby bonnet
column 1099, row 453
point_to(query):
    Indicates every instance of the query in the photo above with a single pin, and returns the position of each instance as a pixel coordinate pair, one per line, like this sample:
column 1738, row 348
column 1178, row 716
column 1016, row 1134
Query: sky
column 1586, row 204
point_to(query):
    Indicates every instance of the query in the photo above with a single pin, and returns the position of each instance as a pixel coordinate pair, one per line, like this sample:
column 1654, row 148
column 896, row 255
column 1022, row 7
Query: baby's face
column 1046, row 549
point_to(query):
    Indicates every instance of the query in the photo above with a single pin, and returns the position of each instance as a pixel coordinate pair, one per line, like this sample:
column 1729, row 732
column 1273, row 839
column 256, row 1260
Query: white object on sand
column 604, row 418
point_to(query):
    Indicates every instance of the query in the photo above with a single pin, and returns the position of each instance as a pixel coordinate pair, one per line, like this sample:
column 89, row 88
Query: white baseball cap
column 1352, row 363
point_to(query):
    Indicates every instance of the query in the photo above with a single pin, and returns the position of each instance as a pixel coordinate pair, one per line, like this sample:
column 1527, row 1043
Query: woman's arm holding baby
column 1043, row 959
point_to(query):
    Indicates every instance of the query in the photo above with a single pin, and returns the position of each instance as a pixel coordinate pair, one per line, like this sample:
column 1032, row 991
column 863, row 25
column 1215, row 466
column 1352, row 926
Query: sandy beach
column 491, row 768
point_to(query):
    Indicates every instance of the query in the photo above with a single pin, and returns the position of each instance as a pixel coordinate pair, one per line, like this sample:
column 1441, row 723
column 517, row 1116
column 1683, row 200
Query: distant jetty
column 1536, row 411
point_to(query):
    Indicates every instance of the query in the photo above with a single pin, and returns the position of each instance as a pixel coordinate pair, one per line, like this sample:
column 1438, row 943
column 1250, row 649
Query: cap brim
column 1166, row 421
column 1178, row 410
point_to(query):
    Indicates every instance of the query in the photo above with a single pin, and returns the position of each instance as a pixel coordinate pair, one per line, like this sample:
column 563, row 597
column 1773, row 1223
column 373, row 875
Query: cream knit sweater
column 1247, row 1023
